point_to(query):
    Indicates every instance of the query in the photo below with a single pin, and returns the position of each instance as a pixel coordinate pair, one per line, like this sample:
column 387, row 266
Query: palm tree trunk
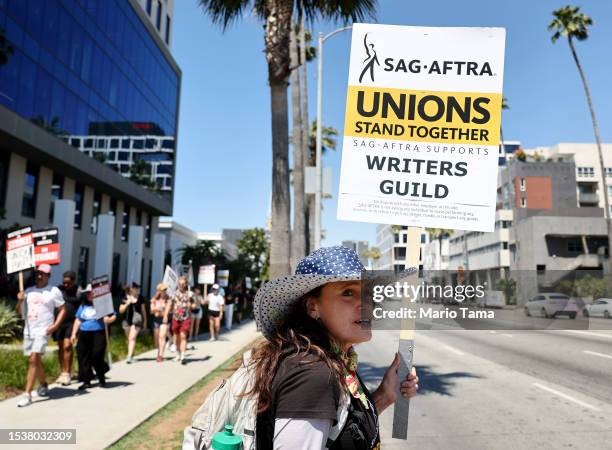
column 598, row 142
column 277, row 32
column 280, row 235
column 298, row 250
column 305, row 129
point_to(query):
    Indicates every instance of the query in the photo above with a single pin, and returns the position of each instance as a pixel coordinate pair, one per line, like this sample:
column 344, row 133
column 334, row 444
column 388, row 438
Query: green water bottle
column 226, row 440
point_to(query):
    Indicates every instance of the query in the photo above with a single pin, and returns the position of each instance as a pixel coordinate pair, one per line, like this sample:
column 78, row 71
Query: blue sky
column 224, row 145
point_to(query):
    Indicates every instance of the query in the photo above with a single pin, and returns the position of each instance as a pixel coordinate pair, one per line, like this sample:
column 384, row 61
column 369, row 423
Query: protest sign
column 422, row 126
column 102, row 298
column 46, row 246
column 19, row 250
column 190, row 280
column 223, row 278
column 170, row 280
column 206, row 274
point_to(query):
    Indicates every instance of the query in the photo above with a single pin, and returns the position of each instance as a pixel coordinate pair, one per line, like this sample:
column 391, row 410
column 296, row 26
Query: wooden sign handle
column 406, row 341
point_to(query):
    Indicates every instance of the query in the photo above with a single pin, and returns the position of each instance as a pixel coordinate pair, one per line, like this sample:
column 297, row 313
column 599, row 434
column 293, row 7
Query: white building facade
column 161, row 14
column 392, row 242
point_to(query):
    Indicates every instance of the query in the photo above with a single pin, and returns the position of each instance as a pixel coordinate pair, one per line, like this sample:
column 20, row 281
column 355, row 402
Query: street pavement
column 134, row 393
column 501, row 390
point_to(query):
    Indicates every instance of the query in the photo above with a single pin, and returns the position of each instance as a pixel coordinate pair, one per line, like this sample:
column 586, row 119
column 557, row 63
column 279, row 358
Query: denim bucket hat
column 325, row 265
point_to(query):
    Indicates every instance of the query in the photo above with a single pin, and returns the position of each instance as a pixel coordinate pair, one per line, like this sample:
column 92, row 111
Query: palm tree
column 373, row 253
column 298, row 242
column 276, row 15
column 439, row 234
column 328, row 139
column 202, row 253
column 307, row 53
column 328, row 142
column 571, row 23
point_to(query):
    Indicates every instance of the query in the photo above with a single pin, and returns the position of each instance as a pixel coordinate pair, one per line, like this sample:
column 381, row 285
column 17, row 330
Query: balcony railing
column 588, row 197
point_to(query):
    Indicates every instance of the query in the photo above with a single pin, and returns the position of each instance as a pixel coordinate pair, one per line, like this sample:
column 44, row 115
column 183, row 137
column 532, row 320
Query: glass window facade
column 57, row 191
column 95, row 211
column 83, row 266
column 148, row 231
column 159, row 15
column 125, row 223
column 168, row 22
column 80, row 62
column 30, row 190
column 5, row 158
column 79, row 192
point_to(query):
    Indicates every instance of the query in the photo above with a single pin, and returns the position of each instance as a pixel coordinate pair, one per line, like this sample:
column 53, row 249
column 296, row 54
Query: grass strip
column 140, row 437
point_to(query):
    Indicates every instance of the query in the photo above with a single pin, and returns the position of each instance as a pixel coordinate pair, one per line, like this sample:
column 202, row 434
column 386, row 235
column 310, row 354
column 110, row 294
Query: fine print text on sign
column 102, row 298
column 422, row 127
column 46, row 246
column 223, row 278
column 206, row 274
column 170, row 280
column 19, row 250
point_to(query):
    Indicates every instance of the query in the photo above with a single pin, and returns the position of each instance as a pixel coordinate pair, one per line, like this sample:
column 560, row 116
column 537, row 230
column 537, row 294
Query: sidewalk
column 133, row 393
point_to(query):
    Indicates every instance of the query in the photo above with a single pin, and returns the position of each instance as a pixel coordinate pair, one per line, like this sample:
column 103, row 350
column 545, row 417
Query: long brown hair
column 299, row 335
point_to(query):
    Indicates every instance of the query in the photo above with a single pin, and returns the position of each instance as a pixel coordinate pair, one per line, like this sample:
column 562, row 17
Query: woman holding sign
column 308, row 366
column 91, row 344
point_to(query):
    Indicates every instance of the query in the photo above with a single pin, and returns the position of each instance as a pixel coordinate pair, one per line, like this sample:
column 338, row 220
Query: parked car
column 602, row 307
column 551, row 304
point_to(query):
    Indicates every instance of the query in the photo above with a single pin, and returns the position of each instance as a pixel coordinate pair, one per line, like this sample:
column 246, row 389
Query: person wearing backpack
column 302, row 383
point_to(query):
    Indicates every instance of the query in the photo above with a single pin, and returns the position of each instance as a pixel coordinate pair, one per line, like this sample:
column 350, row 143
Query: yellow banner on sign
column 444, row 117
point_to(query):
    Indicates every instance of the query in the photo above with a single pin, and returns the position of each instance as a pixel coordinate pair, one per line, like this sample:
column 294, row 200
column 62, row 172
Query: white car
column 551, row 304
column 602, row 307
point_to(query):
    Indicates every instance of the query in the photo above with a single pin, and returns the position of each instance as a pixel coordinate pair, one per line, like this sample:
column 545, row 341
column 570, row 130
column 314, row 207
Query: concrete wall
column 531, row 243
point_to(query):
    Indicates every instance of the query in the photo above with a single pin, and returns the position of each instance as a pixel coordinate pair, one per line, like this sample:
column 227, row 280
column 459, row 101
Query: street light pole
column 319, row 165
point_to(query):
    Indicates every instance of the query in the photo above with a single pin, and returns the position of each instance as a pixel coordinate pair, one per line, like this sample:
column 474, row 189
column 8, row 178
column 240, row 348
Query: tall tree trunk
column 602, row 166
column 309, row 199
column 278, row 15
column 298, row 250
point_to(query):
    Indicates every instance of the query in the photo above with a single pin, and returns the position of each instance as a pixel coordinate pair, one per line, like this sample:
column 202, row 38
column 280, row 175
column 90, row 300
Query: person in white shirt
column 37, row 306
column 215, row 302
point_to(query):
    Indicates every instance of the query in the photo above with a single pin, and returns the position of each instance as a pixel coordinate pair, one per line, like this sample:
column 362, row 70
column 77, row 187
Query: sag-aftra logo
column 460, row 68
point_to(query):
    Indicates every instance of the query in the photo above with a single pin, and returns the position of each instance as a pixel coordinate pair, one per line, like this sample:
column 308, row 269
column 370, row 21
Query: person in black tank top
column 311, row 321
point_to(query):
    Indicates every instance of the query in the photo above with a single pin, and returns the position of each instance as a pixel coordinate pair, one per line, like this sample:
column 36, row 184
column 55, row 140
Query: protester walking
column 91, row 342
column 228, row 309
column 135, row 314
column 159, row 302
column 215, row 302
column 316, row 316
column 72, row 300
column 37, row 306
column 196, row 314
column 181, row 305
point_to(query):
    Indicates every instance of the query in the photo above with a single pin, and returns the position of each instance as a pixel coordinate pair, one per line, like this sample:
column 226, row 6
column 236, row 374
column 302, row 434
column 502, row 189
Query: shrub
column 9, row 323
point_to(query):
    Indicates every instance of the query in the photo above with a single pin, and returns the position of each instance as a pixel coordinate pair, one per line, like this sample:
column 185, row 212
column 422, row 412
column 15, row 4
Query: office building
column 139, row 151
column 81, row 66
column 361, row 248
column 160, row 14
column 543, row 225
column 392, row 242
